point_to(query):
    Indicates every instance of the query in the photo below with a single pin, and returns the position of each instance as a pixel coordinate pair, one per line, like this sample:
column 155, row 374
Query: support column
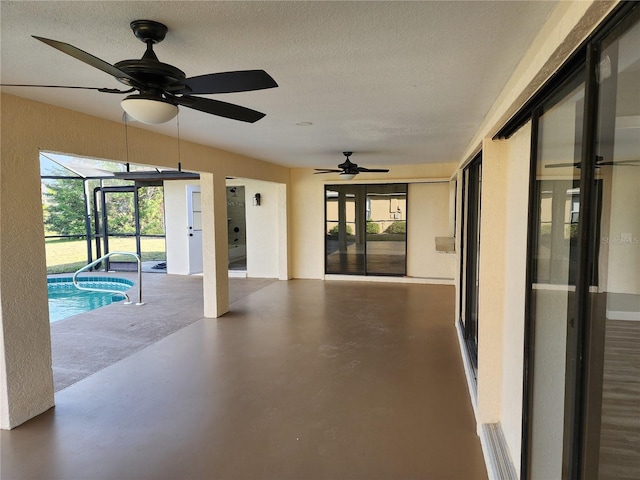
column 215, row 249
column 26, row 378
column 492, row 279
column 283, row 233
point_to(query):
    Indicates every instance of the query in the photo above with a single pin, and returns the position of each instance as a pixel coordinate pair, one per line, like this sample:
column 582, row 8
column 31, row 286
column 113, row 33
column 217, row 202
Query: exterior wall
column 493, row 207
column 176, row 225
column 428, row 217
column 308, row 225
column 514, row 290
column 25, row 333
column 504, row 215
column 26, row 385
column 263, row 227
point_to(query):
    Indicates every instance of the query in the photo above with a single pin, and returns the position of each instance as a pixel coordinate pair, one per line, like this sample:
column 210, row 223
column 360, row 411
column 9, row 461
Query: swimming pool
column 66, row 300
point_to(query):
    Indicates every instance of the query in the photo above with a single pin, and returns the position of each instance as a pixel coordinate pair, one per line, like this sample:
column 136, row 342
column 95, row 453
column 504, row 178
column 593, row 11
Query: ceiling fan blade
column 376, row 170
column 229, row 82
column 90, row 60
column 616, row 164
column 221, row 109
column 327, row 170
column 630, row 163
column 99, row 89
column 563, row 165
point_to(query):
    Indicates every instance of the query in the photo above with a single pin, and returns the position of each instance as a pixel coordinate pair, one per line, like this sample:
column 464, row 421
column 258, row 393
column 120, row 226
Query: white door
column 194, row 219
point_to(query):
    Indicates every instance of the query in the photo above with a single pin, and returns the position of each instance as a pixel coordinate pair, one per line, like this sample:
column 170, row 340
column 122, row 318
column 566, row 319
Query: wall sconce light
column 256, row 200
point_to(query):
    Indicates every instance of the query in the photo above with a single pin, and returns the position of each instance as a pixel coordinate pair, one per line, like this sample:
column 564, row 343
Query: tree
column 64, row 209
column 65, row 212
column 120, row 213
column 151, row 208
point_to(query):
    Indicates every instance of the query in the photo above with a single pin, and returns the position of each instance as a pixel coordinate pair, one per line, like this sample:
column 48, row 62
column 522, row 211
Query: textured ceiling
column 394, row 82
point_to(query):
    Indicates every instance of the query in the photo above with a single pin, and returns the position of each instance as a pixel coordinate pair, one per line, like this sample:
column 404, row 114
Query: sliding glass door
column 582, row 389
column 470, row 255
column 611, row 411
column 386, row 229
column 554, row 274
column 366, row 229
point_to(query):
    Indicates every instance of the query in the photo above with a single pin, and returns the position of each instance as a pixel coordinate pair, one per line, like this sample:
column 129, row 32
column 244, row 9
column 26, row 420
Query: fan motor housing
column 151, row 72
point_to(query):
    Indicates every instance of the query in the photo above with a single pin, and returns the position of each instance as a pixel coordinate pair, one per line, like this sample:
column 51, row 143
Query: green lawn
column 66, row 256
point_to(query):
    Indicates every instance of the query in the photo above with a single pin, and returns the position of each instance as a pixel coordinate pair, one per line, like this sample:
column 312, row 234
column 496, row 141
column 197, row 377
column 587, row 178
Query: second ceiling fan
column 348, row 169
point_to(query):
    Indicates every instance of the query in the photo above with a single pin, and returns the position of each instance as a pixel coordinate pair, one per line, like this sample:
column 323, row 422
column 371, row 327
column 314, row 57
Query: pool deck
column 86, row 343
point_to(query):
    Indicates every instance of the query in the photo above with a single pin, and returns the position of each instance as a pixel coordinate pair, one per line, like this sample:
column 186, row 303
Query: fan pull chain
column 126, row 136
column 178, row 125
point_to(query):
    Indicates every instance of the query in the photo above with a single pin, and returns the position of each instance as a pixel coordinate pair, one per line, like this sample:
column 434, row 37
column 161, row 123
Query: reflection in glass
column 614, row 399
column 236, row 227
column 554, row 274
column 365, row 229
column 386, row 229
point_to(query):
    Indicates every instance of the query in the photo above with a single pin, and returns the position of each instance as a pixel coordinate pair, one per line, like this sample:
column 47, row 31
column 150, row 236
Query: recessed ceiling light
column 303, row 124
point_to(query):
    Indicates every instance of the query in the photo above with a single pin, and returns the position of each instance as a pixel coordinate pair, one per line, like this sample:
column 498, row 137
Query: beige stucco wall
column 27, row 380
column 28, row 127
column 493, row 241
column 428, row 218
column 307, row 223
column 515, row 253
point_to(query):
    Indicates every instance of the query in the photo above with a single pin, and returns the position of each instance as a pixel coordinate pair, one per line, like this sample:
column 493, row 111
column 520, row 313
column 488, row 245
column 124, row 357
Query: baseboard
column 237, row 274
column 373, row 278
column 472, row 383
column 496, row 453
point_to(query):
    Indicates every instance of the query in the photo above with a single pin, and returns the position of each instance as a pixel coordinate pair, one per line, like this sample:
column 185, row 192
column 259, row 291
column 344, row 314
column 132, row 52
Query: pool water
column 66, row 300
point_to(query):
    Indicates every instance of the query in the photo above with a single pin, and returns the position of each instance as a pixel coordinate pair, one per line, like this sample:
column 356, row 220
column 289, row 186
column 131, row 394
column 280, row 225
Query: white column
column 215, row 250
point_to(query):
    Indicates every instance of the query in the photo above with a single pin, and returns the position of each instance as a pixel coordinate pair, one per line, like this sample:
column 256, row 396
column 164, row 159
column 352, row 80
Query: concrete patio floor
column 86, row 343
column 302, row 379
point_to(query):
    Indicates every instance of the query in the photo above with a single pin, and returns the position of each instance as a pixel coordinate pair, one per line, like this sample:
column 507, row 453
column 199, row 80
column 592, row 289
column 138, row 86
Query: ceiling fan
column 348, row 170
column 161, row 87
column 598, row 163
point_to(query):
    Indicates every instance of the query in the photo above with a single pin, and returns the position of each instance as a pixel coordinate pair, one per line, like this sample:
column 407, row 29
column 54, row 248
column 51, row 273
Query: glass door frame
column 470, row 254
column 360, row 224
column 582, row 348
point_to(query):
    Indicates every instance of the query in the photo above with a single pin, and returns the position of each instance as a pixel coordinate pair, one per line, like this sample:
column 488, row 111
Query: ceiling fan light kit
column 163, row 87
column 149, row 110
column 347, row 176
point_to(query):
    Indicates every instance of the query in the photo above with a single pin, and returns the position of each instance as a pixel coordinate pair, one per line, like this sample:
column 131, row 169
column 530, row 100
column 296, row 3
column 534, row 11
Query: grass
column 67, row 256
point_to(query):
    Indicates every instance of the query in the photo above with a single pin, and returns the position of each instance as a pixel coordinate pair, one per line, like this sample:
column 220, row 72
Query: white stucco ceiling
column 394, row 82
